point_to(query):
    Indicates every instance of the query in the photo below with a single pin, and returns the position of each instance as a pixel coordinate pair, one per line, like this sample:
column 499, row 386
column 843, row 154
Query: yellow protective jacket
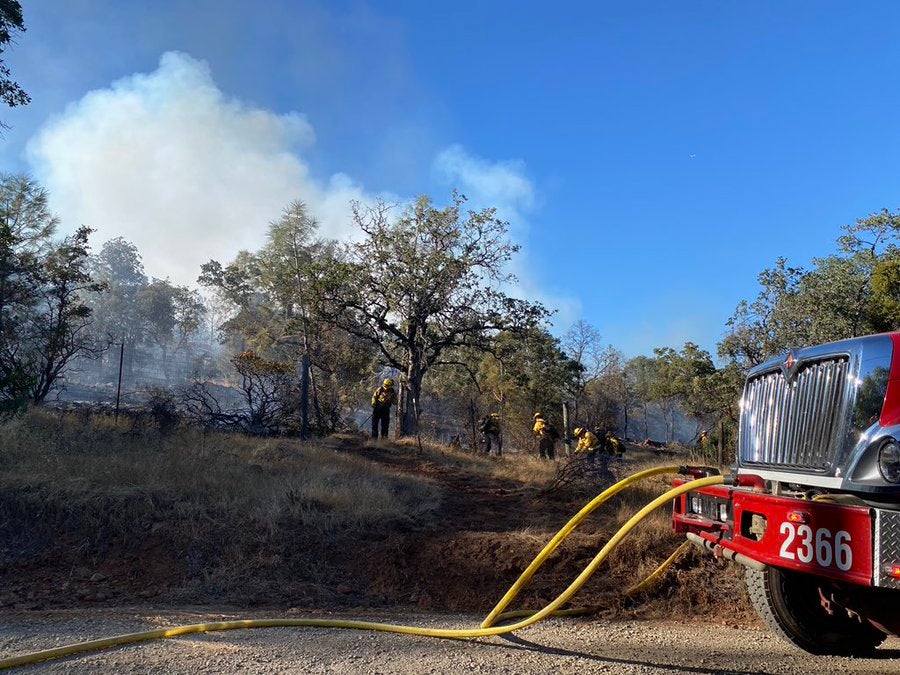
column 616, row 447
column 384, row 396
column 541, row 427
column 587, row 442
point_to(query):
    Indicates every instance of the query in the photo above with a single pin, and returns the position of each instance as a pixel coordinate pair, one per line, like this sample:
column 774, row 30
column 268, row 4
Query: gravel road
column 554, row 646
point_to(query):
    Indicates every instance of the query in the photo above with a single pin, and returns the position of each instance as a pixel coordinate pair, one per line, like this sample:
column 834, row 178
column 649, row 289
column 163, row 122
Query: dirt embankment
column 99, row 536
column 448, row 531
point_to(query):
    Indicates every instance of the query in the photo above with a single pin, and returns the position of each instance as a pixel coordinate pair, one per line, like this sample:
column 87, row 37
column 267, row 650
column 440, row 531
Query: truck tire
column 789, row 604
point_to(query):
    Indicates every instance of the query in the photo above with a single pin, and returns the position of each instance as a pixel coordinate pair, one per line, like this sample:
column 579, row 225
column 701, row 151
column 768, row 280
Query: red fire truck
column 812, row 507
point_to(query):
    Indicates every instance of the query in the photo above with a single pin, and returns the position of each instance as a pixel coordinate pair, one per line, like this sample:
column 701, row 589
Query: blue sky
column 652, row 157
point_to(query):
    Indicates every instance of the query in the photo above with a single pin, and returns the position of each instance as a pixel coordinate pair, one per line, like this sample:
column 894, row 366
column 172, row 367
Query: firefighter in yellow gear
column 547, row 435
column 614, row 446
column 595, row 453
column 588, row 443
column 382, row 400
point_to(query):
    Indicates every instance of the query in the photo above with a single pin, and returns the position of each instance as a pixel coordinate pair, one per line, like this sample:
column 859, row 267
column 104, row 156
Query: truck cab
column 813, row 508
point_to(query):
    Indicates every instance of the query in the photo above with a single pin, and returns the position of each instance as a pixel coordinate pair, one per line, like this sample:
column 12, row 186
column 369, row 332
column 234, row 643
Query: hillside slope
column 93, row 513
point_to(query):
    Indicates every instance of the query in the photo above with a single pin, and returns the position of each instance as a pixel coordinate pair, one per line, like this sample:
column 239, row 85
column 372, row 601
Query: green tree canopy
column 11, row 22
column 420, row 285
column 118, row 265
column 851, row 292
column 44, row 320
column 272, row 295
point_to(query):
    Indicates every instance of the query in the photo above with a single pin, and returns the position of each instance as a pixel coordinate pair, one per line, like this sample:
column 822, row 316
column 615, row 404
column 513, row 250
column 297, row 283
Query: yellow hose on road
column 541, row 614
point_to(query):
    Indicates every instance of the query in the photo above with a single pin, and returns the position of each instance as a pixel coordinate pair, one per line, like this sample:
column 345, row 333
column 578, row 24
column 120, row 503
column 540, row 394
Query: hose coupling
column 746, row 480
column 697, row 472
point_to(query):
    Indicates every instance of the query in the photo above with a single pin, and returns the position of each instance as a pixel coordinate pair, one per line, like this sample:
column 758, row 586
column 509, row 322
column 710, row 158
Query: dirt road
column 555, row 646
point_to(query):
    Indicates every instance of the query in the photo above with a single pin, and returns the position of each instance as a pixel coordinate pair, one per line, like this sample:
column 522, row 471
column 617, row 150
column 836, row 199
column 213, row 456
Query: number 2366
column 805, row 544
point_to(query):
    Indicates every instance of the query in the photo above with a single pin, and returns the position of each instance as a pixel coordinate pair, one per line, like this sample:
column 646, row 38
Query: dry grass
column 226, row 512
column 265, row 478
column 211, row 517
column 525, row 469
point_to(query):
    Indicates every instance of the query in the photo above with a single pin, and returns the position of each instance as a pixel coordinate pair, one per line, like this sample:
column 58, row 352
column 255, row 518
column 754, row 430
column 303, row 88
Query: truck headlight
column 889, row 461
column 696, row 505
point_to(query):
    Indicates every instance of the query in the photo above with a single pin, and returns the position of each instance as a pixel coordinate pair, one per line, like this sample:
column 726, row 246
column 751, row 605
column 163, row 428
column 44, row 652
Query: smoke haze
column 169, row 162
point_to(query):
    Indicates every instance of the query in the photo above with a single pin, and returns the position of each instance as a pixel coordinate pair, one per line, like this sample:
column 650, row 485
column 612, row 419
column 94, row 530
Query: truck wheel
column 789, row 604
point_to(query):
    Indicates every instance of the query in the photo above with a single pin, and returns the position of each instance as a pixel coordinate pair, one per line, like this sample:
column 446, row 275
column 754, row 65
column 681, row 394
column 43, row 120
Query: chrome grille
column 794, row 423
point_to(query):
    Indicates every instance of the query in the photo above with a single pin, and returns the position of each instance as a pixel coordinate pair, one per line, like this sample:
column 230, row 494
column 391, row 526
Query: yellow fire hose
column 593, row 609
column 558, row 538
column 487, row 629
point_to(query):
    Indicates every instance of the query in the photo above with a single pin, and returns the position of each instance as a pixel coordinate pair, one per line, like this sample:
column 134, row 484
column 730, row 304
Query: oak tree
column 421, row 284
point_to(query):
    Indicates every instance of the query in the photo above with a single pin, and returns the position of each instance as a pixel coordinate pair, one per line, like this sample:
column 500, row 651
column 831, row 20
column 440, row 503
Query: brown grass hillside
column 95, row 513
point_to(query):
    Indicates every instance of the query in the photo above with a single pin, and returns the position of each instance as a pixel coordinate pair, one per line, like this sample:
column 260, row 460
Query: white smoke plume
column 187, row 174
column 168, row 162
column 503, row 185
column 506, row 186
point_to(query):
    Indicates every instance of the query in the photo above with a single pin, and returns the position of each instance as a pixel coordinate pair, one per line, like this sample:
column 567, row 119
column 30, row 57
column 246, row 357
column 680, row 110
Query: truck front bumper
column 854, row 544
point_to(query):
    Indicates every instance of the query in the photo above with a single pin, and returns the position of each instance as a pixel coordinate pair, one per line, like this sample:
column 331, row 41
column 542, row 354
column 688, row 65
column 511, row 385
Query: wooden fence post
column 304, row 396
column 566, row 431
